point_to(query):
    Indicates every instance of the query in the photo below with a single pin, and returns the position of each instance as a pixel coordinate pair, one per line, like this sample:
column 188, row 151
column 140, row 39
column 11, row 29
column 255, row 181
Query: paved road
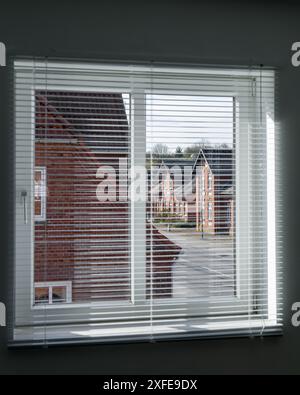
column 205, row 267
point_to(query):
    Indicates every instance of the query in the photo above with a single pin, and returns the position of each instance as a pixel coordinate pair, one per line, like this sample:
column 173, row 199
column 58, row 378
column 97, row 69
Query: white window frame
column 43, row 216
column 139, row 302
column 210, row 181
column 50, row 285
column 210, row 212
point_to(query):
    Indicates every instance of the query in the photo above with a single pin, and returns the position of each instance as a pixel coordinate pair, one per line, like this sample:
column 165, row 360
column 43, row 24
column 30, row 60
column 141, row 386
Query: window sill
column 137, row 332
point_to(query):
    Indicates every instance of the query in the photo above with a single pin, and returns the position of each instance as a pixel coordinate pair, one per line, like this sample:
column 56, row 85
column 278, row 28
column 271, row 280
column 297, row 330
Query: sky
column 181, row 120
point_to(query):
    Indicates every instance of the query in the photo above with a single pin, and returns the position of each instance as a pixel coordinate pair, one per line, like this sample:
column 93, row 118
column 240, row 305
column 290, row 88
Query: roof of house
column 98, row 119
column 219, row 160
column 52, row 128
column 178, row 162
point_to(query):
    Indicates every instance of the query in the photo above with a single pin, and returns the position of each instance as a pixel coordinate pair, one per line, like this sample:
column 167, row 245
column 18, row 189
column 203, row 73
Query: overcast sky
column 183, row 121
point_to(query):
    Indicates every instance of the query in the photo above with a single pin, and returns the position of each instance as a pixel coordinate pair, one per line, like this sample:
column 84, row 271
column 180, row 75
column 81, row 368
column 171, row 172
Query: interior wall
column 206, row 32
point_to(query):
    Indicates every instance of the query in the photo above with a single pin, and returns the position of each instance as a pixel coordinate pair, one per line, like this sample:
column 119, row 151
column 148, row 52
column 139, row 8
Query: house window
column 115, row 260
column 210, row 182
column 40, row 193
column 210, row 212
column 228, row 213
column 51, row 293
column 202, row 192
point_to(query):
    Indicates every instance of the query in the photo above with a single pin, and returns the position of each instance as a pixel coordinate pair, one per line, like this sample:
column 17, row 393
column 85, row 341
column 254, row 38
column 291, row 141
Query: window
column 228, row 213
column 135, row 246
column 40, row 193
column 210, row 211
column 50, row 293
column 202, row 192
column 210, row 182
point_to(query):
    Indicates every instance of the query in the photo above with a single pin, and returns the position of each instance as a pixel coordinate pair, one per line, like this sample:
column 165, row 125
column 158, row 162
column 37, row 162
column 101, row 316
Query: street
column 205, row 267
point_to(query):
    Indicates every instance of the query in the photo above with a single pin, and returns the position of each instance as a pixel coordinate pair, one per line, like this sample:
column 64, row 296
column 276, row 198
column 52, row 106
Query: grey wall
column 227, row 32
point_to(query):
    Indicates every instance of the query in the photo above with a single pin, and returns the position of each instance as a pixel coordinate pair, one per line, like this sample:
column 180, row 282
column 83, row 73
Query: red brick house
column 214, row 191
column 174, row 202
column 82, row 245
column 209, row 205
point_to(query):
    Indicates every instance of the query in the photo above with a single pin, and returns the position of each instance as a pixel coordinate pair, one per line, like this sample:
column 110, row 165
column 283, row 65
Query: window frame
column 43, row 216
column 50, row 285
column 210, row 181
column 138, row 209
column 210, row 212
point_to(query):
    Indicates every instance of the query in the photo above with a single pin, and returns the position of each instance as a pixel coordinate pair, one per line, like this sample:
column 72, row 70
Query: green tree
column 160, row 151
column 179, row 152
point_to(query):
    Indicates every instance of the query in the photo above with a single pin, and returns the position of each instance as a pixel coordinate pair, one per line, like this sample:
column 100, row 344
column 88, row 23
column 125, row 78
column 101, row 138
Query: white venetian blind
column 145, row 202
